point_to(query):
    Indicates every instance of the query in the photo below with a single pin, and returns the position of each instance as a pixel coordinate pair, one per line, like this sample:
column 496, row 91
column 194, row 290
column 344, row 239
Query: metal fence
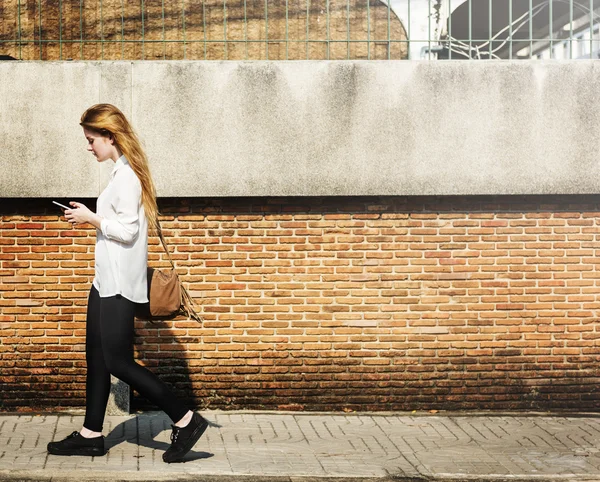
column 519, row 29
column 299, row 29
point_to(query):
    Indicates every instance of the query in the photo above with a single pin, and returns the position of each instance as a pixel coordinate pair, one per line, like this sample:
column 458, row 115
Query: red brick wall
column 380, row 303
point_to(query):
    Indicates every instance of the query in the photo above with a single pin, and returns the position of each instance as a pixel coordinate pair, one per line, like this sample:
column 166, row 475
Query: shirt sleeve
column 127, row 225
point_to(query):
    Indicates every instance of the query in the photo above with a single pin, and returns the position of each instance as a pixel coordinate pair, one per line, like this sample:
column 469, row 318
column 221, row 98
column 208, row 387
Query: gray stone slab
column 43, row 149
column 309, row 128
column 115, row 88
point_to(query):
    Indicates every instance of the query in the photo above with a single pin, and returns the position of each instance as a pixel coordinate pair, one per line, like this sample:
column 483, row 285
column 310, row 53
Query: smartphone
column 62, row 205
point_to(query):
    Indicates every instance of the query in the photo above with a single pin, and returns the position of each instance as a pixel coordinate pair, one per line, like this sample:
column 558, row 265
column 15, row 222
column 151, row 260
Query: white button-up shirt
column 122, row 240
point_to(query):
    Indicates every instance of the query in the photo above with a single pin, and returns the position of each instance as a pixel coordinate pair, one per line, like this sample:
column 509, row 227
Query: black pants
column 109, row 350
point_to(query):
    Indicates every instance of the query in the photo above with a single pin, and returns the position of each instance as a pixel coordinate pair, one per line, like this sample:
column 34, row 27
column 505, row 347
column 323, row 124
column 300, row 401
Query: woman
column 124, row 210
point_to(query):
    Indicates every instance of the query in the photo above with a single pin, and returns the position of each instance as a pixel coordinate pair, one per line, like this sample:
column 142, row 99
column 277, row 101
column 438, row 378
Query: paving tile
column 317, row 445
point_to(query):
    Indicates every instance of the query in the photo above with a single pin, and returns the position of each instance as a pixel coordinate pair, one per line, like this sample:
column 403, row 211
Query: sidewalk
column 256, row 446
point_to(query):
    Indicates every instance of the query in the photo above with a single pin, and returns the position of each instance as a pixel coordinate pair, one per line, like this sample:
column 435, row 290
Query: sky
column 419, row 21
column 419, row 25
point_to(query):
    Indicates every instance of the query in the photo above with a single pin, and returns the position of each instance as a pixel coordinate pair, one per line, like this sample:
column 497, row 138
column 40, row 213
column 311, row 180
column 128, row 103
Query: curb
column 102, row 476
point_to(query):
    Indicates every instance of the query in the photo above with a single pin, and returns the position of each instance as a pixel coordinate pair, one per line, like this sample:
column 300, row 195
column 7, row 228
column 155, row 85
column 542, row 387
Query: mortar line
column 308, row 443
column 53, row 436
column 472, row 439
column 400, row 452
column 539, row 427
column 376, row 439
column 225, row 447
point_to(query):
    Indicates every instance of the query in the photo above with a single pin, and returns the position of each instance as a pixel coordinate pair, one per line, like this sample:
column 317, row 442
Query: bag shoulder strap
column 164, row 243
column 187, row 303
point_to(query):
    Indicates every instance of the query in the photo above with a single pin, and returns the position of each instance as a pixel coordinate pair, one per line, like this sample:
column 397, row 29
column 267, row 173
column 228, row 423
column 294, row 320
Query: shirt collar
column 120, row 162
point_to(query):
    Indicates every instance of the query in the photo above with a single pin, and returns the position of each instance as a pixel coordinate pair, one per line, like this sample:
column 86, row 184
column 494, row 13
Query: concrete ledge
column 310, row 128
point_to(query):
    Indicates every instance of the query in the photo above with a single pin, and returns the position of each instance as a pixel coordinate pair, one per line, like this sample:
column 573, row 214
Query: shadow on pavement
column 127, row 431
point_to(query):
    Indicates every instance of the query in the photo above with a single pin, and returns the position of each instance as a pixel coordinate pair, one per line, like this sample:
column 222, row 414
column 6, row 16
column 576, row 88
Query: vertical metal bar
column 19, row 27
column 530, row 29
column 429, row 30
column 409, row 37
column 368, row 29
column 143, row 33
column 40, row 26
column 591, row 26
column 287, row 39
column 449, row 29
column 571, row 30
column 246, row 29
column 327, row 27
column 225, row 28
column 389, row 48
column 307, row 22
column 122, row 30
column 348, row 29
column 267, row 28
column 80, row 28
column 490, row 31
column 204, row 26
column 550, row 30
column 60, row 29
column 470, row 29
column 101, row 32
column 163, row 31
column 510, row 32
column 183, row 28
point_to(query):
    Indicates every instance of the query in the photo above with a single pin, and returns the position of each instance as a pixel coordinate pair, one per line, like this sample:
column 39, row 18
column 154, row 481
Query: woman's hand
column 79, row 214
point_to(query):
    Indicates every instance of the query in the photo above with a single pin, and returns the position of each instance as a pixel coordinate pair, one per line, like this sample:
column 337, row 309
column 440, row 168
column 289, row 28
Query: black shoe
column 184, row 438
column 76, row 444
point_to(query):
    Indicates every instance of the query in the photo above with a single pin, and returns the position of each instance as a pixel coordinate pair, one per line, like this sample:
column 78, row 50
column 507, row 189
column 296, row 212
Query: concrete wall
column 309, row 127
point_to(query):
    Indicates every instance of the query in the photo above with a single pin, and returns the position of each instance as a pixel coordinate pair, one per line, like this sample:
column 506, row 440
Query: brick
column 454, row 303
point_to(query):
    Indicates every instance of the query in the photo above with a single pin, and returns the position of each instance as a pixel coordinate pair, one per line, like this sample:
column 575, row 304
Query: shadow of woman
column 148, row 430
column 158, row 348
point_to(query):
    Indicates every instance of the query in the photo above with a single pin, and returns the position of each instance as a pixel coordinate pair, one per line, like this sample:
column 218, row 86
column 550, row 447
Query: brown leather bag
column 167, row 297
column 164, row 292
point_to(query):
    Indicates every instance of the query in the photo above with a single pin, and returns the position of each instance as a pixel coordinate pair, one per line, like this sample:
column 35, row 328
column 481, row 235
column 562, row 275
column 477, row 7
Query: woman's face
column 101, row 146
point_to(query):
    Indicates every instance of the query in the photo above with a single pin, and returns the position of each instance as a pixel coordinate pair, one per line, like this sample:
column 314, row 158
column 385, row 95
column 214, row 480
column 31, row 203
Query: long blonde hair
column 107, row 119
